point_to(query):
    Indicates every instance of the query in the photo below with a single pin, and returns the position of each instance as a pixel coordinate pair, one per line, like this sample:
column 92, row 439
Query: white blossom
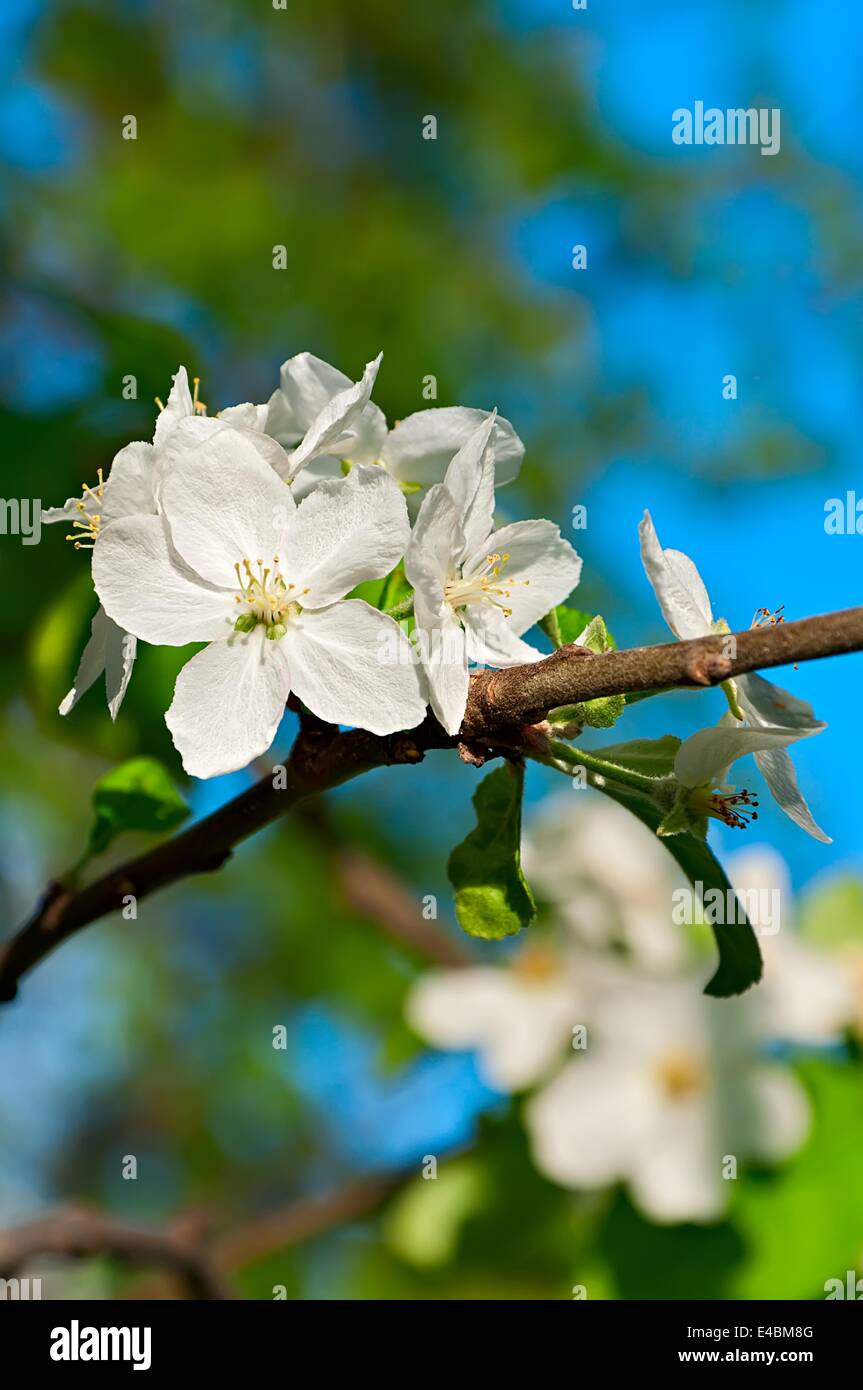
column 325, row 421
column 670, row 1087
column 231, row 560
column 476, row 590
column 686, row 608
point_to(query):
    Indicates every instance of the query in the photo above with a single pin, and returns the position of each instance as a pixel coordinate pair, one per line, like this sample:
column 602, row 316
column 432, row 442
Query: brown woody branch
column 202, row 1265
column 80, row 1233
column 501, row 703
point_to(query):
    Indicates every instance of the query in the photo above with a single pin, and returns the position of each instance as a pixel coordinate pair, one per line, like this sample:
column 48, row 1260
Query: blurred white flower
column 518, row 1017
column 686, row 608
column 807, row 995
column 606, row 877
column 668, row 1091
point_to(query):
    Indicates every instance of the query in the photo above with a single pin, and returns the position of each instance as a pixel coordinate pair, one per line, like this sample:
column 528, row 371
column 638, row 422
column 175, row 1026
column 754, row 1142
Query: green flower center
column 265, row 597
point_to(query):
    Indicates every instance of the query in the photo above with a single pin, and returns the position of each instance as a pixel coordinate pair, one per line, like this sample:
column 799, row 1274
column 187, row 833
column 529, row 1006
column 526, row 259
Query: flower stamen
column 483, row 586
column 262, row 593
column 734, row 809
column 87, row 524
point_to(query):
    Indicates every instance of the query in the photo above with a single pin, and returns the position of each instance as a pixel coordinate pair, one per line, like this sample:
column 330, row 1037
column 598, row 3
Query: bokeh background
column 302, row 127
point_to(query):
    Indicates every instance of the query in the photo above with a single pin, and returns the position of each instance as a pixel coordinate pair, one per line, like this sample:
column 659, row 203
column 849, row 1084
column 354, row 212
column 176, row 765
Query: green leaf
column 137, row 795
column 739, row 954
column 384, row 593
column 563, row 625
column 652, row 757
column 492, row 897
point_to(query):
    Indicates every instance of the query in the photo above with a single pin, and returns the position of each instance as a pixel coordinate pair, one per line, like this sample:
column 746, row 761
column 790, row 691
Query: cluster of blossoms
column 250, row 530
column 630, row 1074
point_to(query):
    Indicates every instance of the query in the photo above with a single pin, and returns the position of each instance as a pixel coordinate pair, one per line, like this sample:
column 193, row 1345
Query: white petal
column 422, row 445
column 308, row 384
column 778, row 1114
column 335, row 419
column 764, row 703
column 228, row 703
column 542, row 569
column 353, row 665
column 702, row 756
column 441, row 643
column 678, row 1175
column 177, row 407
column 346, row 531
column 148, row 590
column 224, row 504
column 434, row 542
column 198, row 429
column 281, row 423
column 131, row 485
column 778, row 772
column 120, row 653
column 319, row 471
column 70, row 511
column 491, row 641
column 92, row 662
column 245, row 416
column 587, row 1126
column 470, row 482
column 677, row 584
column 519, row 1029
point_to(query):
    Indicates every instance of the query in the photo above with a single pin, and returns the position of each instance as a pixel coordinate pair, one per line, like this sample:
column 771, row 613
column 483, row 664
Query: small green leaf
column 563, row 625
column 595, row 636
column 137, row 795
column 492, row 897
column 599, row 714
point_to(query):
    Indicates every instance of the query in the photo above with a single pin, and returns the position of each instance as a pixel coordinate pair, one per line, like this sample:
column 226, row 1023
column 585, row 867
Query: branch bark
column 500, row 705
column 525, row 694
column 80, row 1233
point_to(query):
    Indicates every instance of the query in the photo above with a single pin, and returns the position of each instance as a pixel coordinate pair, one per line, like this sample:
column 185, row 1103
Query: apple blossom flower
column 669, row 1087
column 702, row 763
column 518, row 1017
column 326, row 420
column 476, row 590
column 686, row 608
column 231, row 560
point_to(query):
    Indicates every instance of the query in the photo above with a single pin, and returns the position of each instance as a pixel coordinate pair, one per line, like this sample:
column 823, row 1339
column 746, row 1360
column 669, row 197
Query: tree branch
column 525, row 694
column 499, row 705
column 80, row 1233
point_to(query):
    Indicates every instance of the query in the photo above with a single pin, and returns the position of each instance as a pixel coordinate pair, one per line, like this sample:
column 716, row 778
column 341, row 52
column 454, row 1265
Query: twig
column 81, row 1233
column 372, row 890
column 499, row 705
